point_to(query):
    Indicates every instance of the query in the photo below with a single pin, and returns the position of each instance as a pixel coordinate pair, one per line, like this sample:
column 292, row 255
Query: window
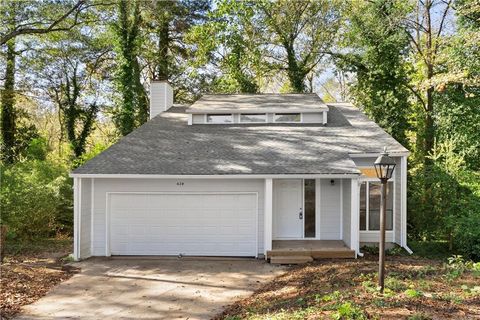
column 370, row 200
column 309, row 198
column 219, row 118
column 287, row 117
column 253, row 117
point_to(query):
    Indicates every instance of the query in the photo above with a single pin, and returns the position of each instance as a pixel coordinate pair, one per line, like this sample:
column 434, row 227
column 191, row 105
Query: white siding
column 313, row 117
column 102, row 186
column 85, row 218
column 395, row 236
column 347, row 214
column 330, row 204
column 198, row 118
column 374, row 236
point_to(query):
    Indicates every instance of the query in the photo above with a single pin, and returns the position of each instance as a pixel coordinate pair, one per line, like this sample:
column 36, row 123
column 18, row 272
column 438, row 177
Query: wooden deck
column 313, row 249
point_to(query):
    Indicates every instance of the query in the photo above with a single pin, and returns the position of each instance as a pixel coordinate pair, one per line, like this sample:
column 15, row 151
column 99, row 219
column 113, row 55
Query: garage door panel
column 190, row 224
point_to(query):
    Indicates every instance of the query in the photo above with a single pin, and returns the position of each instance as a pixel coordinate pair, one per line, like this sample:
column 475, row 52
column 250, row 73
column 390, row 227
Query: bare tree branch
column 51, row 28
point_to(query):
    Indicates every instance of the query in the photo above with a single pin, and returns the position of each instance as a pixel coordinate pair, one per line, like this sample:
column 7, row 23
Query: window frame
column 285, row 113
column 219, row 114
column 367, row 180
column 240, row 118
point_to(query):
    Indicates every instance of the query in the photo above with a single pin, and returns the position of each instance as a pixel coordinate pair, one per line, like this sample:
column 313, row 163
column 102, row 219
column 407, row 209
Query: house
column 254, row 175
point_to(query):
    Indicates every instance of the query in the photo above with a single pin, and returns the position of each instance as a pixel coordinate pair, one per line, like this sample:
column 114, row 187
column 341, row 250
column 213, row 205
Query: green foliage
column 348, row 311
column 36, row 199
column 412, row 293
column 379, row 44
column 133, row 107
column 453, row 210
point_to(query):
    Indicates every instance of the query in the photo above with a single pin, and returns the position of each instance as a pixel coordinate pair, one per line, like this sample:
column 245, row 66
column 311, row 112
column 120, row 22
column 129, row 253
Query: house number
column 179, row 183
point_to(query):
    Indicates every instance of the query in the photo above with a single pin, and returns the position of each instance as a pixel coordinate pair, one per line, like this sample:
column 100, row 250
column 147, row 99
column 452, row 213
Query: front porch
column 299, row 251
column 311, row 218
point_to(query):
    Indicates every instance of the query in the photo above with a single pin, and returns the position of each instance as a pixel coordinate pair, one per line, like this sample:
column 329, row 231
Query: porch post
column 76, row 219
column 268, row 216
column 355, row 217
column 403, row 184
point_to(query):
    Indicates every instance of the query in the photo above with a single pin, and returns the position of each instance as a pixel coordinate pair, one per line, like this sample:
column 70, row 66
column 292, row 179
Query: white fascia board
column 371, row 155
column 224, row 176
column 259, row 110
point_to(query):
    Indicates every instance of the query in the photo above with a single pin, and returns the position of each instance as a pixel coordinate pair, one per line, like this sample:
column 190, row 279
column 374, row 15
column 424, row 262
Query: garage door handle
column 300, row 215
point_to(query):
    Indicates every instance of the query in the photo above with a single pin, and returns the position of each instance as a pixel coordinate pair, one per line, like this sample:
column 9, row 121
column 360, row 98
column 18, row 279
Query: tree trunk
column 8, row 106
column 295, row 74
column 163, row 44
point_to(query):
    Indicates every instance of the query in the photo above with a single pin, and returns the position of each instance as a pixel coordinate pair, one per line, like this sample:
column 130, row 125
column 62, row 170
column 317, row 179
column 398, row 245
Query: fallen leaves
column 25, row 279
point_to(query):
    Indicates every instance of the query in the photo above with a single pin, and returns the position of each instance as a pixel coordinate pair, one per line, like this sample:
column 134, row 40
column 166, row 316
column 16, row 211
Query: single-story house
column 240, row 175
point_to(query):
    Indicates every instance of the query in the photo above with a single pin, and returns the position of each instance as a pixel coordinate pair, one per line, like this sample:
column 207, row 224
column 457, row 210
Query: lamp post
column 384, row 166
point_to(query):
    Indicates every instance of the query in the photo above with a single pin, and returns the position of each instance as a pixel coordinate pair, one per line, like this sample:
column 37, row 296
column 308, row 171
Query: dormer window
column 219, row 118
column 253, row 118
column 287, row 117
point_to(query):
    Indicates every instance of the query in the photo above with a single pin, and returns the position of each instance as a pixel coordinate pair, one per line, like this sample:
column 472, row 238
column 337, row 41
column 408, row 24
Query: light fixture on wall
column 332, row 182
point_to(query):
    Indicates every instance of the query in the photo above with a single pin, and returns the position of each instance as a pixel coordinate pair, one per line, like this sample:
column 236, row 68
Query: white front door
column 287, row 209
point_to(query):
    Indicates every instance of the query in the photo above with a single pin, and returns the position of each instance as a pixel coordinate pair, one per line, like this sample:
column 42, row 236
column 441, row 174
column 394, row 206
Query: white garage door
column 188, row 224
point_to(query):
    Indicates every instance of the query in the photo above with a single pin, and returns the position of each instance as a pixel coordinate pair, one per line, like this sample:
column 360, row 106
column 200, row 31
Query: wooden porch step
column 290, row 259
column 333, row 254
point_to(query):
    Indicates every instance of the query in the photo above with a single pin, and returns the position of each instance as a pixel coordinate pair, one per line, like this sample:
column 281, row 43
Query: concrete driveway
column 165, row 288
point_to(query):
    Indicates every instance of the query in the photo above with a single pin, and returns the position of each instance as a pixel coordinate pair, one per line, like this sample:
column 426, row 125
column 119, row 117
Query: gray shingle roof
column 266, row 102
column 166, row 145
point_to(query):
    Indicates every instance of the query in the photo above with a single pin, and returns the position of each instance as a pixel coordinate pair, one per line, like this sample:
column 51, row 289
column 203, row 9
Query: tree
column 297, row 35
column 425, row 34
column 133, row 109
column 8, row 106
column 226, row 42
column 39, row 18
column 377, row 45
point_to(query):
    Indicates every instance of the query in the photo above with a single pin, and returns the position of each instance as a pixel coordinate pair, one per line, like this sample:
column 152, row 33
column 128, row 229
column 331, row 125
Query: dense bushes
column 36, row 199
column 453, row 212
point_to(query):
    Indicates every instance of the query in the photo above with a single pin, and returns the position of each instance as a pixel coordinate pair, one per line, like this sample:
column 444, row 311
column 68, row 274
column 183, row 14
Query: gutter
column 408, row 249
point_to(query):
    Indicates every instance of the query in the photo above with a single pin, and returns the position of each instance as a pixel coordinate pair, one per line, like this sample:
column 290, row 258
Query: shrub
column 36, row 199
column 348, row 311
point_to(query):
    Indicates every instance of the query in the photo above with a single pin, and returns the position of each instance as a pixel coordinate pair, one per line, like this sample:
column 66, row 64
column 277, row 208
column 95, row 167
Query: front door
column 287, row 209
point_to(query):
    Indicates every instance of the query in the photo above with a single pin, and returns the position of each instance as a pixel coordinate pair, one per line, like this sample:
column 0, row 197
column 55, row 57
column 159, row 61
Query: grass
column 416, row 288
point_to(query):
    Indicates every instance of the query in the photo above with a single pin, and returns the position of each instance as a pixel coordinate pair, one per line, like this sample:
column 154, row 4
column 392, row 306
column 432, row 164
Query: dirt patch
column 26, row 277
column 346, row 289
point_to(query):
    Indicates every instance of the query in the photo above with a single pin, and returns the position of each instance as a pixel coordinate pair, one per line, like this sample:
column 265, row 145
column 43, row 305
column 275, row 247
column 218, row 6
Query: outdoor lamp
column 384, row 166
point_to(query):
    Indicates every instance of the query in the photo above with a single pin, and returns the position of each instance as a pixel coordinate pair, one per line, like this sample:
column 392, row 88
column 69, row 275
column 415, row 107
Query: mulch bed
column 26, row 278
column 318, row 288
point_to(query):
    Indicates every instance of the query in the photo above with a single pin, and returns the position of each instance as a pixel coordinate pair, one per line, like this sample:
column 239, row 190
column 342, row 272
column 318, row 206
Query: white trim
column 92, row 213
column 76, row 253
column 318, row 207
column 217, row 176
column 341, row 209
column 107, row 212
column 403, row 206
column 107, row 225
column 355, row 216
column 190, row 119
column 324, row 120
column 374, row 154
column 256, row 110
